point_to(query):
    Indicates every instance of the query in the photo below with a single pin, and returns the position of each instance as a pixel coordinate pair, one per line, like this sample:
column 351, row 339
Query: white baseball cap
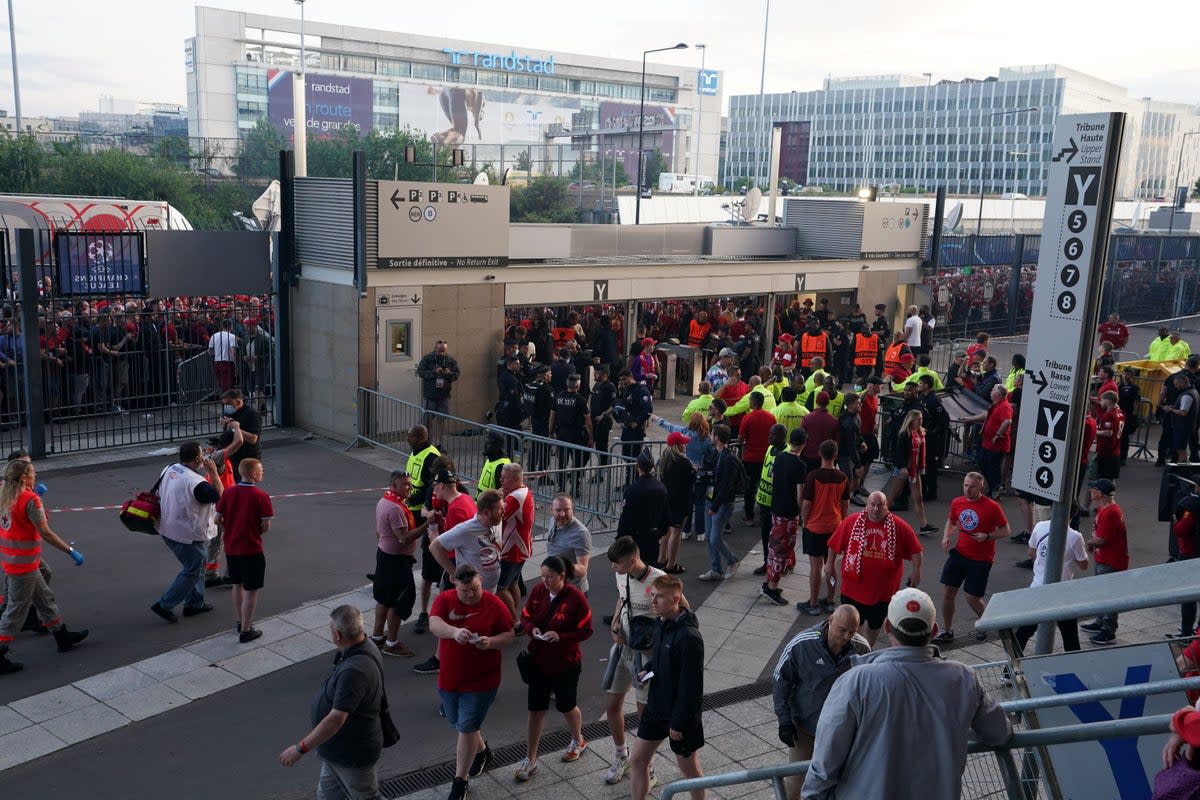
column 911, row 611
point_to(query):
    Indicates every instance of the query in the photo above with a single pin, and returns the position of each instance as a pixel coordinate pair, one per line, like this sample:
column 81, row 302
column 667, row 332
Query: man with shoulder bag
column 351, row 723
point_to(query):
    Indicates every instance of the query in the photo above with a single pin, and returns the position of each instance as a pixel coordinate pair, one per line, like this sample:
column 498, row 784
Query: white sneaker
column 618, row 770
column 683, row 537
column 732, row 570
column 525, row 770
column 701, row 537
column 711, row 576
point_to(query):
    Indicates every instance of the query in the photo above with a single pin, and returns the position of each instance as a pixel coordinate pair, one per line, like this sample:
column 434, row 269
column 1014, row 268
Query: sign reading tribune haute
column 1081, row 185
column 424, row 225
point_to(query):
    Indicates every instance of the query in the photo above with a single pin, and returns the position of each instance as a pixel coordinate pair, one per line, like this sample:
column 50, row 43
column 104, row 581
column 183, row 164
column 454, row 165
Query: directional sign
column 599, row 291
column 424, row 225
column 1079, row 197
column 801, row 280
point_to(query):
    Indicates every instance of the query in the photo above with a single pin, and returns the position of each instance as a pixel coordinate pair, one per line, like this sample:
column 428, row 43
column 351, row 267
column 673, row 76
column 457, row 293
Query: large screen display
column 332, row 103
column 99, row 264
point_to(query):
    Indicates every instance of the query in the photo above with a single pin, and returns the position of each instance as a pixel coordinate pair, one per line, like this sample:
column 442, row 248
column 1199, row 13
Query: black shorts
column 968, row 573
column 510, row 571
column 564, row 687
column 655, row 730
column 676, row 517
column 247, row 571
column 871, row 616
column 814, row 544
column 394, row 586
column 1108, row 467
column 431, row 570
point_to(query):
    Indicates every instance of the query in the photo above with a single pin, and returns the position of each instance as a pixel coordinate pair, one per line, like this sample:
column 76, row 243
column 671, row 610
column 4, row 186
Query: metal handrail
column 1065, row 734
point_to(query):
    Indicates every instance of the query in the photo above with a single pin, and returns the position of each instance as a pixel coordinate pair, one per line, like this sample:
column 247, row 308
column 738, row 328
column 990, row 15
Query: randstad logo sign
column 505, row 63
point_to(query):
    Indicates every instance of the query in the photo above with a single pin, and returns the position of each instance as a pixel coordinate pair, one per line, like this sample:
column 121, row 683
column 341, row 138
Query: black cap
column 540, row 368
column 445, row 476
column 1103, row 486
column 875, row 379
column 880, row 306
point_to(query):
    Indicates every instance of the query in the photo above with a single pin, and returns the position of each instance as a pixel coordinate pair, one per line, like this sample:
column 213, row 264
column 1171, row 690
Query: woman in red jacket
column 558, row 618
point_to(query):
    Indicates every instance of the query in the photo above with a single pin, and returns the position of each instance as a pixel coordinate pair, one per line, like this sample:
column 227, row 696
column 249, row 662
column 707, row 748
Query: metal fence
column 595, row 479
column 119, row 368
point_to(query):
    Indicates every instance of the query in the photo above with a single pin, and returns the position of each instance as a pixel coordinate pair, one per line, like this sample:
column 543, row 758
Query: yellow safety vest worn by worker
column 700, row 404
column 414, row 468
column 789, row 415
column 489, row 476
column 766, row 480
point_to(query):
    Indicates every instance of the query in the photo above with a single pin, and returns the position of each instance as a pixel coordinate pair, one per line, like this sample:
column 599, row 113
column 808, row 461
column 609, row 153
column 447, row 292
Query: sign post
column 1081, row 187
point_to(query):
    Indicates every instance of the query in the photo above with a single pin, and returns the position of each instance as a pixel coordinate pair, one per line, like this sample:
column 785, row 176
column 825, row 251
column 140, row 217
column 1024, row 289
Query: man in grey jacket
column 806, row 671
column 865, row 748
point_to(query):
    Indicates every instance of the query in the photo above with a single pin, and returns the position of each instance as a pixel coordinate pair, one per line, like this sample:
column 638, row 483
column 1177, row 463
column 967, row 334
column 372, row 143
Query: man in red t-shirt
column 1114, row 331
column 1110, row 423
column 995, row 439
column 868, row 416
column 473, row 625
column 731, row 391
column 821, row 426
column 978, row 521
column 755, row 431
column 516, row 539
column 245, row 512
column 874, row 544
column 1110, row 543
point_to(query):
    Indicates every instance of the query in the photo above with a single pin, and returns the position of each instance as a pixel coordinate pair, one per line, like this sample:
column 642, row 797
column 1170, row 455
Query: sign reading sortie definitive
column 1066, row 296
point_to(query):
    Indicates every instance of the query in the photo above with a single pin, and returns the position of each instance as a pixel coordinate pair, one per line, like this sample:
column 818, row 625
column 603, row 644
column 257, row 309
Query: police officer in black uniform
column 571, row 423
column 633, row 412
column 508, row 409
column 537, row 397
column 604, row 395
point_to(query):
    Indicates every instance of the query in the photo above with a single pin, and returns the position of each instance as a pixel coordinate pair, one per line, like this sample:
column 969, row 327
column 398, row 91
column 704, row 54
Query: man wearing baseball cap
column 718, row 373
column 933, row 704
column 1110, row 545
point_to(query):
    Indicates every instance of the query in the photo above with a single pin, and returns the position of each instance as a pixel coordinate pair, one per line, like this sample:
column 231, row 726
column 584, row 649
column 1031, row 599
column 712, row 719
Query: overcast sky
column 72, row 52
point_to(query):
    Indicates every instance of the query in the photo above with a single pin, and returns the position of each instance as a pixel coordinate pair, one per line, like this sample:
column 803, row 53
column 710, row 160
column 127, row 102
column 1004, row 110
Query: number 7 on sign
column 1069, row 275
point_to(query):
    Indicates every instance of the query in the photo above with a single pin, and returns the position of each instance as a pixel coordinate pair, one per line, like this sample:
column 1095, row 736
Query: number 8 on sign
column 1066, row 302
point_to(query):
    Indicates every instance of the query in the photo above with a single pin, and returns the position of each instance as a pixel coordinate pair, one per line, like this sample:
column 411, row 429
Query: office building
column 905, row 132
column 477, row 96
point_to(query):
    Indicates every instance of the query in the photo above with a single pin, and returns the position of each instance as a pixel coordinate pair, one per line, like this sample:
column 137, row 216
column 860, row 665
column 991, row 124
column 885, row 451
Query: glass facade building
column 993, row 135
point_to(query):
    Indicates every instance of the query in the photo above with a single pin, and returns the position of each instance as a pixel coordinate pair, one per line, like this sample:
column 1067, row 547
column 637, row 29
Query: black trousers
column 1067, row 628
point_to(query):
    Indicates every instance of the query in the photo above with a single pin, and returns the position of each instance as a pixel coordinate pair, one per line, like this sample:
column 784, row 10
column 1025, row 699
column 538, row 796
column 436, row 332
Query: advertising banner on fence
column 98, row 264
column 333, row 103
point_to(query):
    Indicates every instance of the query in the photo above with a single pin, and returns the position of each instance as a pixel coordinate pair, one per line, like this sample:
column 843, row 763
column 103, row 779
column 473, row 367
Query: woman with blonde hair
column 908, row 464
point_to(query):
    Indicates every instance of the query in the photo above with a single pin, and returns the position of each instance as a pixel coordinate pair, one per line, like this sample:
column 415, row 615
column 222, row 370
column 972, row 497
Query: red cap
column 648, row 342
column 675, row 437
column 786, row 337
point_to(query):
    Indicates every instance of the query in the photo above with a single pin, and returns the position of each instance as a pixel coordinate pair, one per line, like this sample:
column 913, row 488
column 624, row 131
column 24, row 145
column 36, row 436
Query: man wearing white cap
column 932, row 705
column 718, row 373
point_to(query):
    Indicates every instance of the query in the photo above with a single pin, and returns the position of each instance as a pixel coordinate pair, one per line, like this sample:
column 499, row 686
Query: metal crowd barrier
column 993, row 771
column 595, row 479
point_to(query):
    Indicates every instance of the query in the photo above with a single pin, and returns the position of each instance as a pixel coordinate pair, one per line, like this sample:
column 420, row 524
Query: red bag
column 141, row 514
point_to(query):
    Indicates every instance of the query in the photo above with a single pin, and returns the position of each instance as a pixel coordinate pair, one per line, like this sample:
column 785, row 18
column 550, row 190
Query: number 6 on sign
column 1066, row 302
column 1073, row 249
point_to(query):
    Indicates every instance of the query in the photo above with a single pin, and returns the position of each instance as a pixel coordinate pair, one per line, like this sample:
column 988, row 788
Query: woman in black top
column 679, row 476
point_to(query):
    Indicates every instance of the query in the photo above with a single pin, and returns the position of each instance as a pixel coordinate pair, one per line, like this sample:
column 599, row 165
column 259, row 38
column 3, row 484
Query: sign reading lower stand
column 1066, row 294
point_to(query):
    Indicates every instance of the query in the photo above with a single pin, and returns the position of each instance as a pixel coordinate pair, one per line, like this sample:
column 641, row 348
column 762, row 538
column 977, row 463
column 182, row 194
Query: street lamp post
column 925, row 130
column 699, row 119
column 979, row 220
column 299, row 108
column 637, row 207
column 12, row 39
column 1178, row 172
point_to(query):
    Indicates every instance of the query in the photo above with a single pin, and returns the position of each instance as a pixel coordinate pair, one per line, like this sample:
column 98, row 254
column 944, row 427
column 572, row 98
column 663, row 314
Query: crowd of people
column 122, row 354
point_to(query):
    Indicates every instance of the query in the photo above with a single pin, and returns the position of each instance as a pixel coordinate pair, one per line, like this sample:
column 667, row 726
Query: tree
column 522, row 161
column 599, row 171
column 544, row 199
column 259, row 156
column 1196, row 189
column 20, row 163
column 655, row 165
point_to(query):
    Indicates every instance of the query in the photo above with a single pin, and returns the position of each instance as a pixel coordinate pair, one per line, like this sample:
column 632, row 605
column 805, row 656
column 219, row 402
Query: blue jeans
column 188, row 586
column 700, row 510
column 718, row 550
column 1107, row 621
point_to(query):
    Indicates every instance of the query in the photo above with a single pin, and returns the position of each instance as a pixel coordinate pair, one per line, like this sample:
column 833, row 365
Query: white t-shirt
column 1075, row 551
column 913, row 326
column 474, row 543
column 639, row 603
column 223, row 345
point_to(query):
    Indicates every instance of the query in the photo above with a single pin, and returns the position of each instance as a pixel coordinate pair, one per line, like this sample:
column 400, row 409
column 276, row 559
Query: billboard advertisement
column 98, row 264
column 452, row 116
column 624, row 117
column 332, row 103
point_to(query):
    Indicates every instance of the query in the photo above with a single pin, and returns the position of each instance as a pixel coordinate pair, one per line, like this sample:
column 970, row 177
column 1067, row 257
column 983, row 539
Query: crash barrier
column 595, row 479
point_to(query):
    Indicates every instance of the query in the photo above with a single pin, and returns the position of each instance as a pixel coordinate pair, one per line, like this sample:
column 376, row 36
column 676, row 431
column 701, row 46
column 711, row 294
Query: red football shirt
column 464, row 667
column 1110, row 526
column 880, row 575
column 244, row 506
column 755, row 431
column 976, row 516
column 868, row 412
column 1089, row 436
column 1110, row 420
column 516, row 542
column 999, row 412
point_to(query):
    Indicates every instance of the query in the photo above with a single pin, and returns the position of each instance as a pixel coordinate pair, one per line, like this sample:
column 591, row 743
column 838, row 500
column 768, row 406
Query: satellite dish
column 750, row 206
column 482, row 179
column 954, row 218
column 504, row 177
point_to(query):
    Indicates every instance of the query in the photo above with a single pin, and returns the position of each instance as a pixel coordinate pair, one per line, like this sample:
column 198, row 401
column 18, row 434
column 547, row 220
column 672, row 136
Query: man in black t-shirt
column 787, row 479
column 345, row 714
column 249, row 420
